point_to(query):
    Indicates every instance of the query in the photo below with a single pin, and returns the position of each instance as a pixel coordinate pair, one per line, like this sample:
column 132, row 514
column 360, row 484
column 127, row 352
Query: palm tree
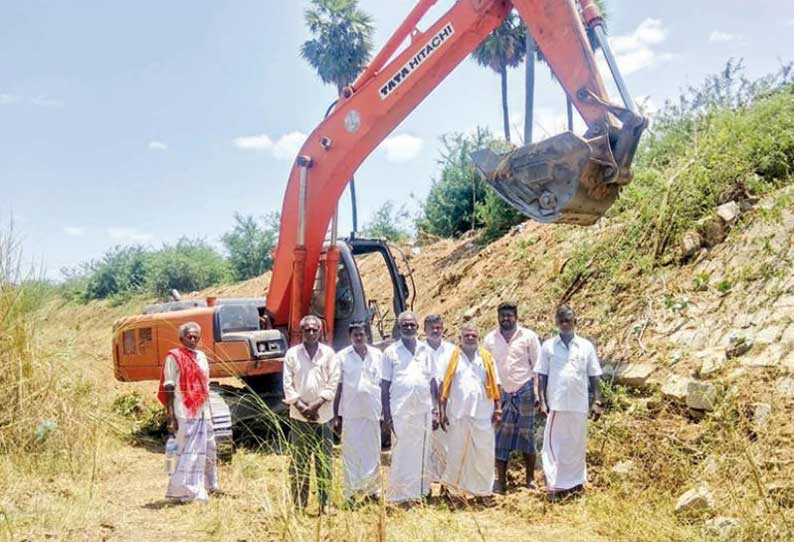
column 340, row 47
column 503, row 48
column 530, row 77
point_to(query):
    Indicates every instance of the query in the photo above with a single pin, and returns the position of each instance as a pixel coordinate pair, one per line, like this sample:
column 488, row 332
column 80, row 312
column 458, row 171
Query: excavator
column 565, row 179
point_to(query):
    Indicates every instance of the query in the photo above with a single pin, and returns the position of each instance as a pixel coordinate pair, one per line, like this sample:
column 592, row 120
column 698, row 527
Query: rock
column 471, row 313
column 711, row 466
column 701, row 395
column 690, row 244
column 770, row 334
column 624, row 468
column 729, row 212
column 722, row 527
column 781, row 492
column 738, row 345
column 634, row 375
column 713, row 361
column 766, row 357
column 712, row 229
column 761, row 413
column 785, row 387
column 675, row 388
column 695, row 502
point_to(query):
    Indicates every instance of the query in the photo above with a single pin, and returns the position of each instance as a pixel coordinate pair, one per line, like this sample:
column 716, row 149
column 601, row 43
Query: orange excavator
column 566, row 179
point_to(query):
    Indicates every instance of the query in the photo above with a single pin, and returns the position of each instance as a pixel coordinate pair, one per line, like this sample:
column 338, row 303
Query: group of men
column 454, row 412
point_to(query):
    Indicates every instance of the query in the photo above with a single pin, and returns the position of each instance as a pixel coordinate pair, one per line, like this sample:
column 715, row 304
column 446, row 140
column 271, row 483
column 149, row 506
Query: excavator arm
column 590, row 168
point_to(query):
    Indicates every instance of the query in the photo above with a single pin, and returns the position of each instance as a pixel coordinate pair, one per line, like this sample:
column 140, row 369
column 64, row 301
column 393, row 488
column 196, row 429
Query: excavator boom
column 566, row 179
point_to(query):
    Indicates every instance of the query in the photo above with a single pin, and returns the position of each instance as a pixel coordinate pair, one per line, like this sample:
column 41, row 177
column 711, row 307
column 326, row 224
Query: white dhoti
column 361, row 456
column 564, row 447
column 196, row 463
column 470, row 461
column 438, row 454
column 409, row 475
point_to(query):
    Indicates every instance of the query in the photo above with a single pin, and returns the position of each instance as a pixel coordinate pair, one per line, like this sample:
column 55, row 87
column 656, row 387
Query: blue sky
column 141, row 122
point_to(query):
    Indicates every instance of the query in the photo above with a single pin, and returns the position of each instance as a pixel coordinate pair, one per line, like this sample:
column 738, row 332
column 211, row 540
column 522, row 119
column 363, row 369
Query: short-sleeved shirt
column 467, row 396
column 568, row 369
column 309, row 379
column 171, row 378
column 360, row 383
column 516, row 359
column 410, row 376
column 441, row 357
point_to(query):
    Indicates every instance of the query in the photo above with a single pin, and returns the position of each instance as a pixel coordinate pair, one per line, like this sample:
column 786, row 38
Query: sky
column 142, row 122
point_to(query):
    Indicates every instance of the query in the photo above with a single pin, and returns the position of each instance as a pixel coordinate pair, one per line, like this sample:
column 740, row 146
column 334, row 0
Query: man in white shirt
column 469, row 411
column 357, row 411
column 568, row 372
column 515, row 350
column 311, row 376
column 408, row 387
column 440, row 350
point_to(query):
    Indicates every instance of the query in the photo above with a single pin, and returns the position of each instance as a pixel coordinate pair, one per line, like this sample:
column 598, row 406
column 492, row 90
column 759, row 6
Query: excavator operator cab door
column 382, row 311
column 350, row 305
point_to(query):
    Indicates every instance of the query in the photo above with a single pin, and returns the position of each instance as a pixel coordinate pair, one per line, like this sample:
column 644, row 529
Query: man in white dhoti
column 568, row 372
column 408, row 387
column 357, row 411
column 185, row 393
column 440, row 350
column 470, row 409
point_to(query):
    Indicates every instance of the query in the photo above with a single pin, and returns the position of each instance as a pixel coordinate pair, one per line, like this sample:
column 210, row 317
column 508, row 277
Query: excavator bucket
column 565, row 179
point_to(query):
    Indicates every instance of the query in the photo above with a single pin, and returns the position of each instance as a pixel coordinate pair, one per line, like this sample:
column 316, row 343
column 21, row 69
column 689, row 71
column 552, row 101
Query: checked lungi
column 517, row 431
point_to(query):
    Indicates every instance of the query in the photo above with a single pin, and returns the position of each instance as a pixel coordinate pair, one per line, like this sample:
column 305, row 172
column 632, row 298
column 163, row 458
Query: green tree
column 191, row 264
column 504, row 48
column 340, row 47
column 250, row 245
column 459, row 201
column 341, row 43
column 389, row 222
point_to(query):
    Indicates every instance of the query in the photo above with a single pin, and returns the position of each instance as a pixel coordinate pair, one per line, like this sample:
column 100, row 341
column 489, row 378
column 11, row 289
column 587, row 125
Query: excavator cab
column 354, row 302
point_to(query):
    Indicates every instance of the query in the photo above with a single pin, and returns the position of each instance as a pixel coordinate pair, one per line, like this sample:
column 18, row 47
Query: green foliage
column 250, row 245
column 459, row 201
column 389, row 222
column 126, row 271
column 341, row 42
column 728, row 139
column 505, row 47
column 187, row 266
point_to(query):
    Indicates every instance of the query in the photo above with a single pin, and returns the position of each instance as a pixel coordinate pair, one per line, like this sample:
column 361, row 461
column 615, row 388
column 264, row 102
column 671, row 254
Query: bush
column 460, row 201
column 389, row 223
column 187, row 266
column 250, row 245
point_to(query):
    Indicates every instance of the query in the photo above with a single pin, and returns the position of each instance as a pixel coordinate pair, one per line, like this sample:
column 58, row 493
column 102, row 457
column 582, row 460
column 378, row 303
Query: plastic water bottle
column 170, row 454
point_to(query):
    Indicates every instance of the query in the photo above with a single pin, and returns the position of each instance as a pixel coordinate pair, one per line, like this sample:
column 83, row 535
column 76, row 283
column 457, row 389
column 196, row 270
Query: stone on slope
column 695, row 502
column 701, row 395
column 729, row 212
column 722, row 527
column 761, row 413
column 737, row 345
column 785, row 387
column 634, row 375
column 675, row 388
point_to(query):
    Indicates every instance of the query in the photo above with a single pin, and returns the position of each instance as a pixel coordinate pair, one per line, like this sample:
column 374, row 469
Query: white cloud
column 74, row 231
column 8, row 99
column 402, row 147
column 129, row 235
column 790, row 22
column 718, row 37
column 157, row 146
column 44, row 101
column 285, row 147
column 639, row 49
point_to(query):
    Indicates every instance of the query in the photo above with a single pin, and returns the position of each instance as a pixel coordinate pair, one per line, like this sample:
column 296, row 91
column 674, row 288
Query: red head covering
column 192, row 381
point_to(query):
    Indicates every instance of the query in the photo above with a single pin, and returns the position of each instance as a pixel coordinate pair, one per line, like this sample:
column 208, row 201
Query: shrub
column 187, row 266
column 388, row 223
column 250, row 245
